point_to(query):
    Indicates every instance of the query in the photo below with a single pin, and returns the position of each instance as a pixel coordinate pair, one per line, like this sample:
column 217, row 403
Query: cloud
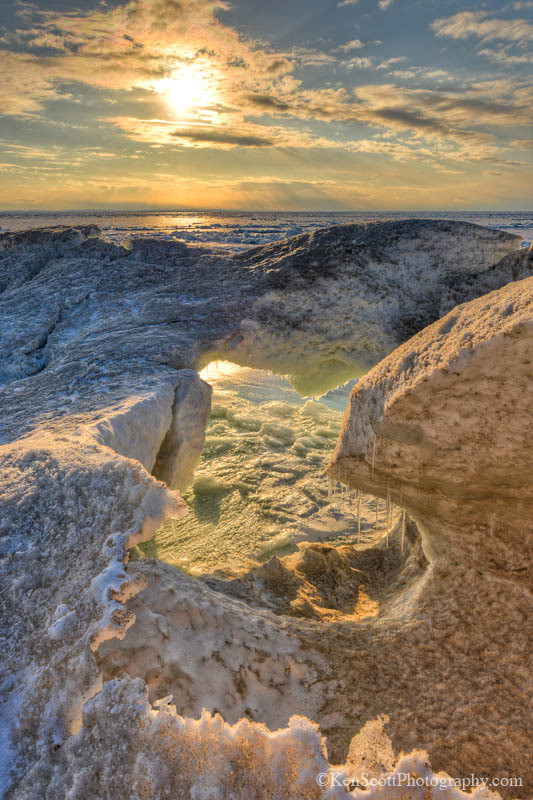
column 359, row 62
column 464, row 122
column 354, row 44
column 225, row 137
column 384, row 177
column 391, row 61
column 519, row 5
column 24, row 84
column 161, row 190
column 279, row 65
column 523, row 144
column 478, row 23
column 266, row 102
column 423, row 73
column 503, row 56
column 347, row 3
column 455, row 115
column 308, row 57
column 411, row 120
column 384, row 4
column 460, row 120
column 130, row 46
column 215, row 136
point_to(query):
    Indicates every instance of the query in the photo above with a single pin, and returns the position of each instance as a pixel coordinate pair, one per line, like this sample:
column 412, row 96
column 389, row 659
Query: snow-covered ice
column 100, row 344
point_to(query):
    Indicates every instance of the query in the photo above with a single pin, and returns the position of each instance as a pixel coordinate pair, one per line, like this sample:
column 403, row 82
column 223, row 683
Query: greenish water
column 260, row 487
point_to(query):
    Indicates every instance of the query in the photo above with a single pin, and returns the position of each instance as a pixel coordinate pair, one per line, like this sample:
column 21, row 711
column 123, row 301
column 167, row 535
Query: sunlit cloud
column 249, row 135
column 422, row 74
column 483, row 26
column 353, row 44
column 390, row 62
column 136, row 45
column 358, row 62
column 503, row 56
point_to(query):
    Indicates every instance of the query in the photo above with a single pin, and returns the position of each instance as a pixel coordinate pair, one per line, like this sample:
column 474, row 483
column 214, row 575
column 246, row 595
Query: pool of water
column 260, row 488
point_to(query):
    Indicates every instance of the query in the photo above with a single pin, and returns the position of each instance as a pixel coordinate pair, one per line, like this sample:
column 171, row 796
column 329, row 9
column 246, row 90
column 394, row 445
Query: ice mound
column 442, row 423
column 336, row 301
column 96, row 342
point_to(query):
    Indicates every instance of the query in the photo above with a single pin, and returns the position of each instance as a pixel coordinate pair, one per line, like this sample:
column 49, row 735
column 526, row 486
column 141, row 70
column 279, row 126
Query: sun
column 189, row 89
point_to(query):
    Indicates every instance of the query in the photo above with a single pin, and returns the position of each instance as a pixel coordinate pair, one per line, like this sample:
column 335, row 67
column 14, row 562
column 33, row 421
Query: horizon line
column 261, row 211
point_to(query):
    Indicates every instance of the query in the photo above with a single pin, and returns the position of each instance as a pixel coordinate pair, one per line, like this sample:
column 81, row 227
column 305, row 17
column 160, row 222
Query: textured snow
column 99, row 345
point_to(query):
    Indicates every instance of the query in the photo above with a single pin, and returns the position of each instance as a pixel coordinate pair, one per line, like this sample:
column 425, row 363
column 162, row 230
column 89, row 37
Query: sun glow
column 189, row 90
column 220, row 369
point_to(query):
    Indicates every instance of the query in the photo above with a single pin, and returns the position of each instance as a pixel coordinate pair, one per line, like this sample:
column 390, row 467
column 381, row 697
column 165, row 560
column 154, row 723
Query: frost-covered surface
column 96, row 342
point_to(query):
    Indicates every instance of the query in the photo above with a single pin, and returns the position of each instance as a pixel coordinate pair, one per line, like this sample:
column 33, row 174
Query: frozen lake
column 238, row 230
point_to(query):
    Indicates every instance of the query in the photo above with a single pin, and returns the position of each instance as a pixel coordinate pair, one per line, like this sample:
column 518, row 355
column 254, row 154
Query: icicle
column 403, row 511
column 330, row 488
column 403, row 527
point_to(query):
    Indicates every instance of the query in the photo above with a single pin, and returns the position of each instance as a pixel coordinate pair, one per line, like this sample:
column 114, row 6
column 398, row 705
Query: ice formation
column 382, row 282
column 100, row 347
column 444, row 424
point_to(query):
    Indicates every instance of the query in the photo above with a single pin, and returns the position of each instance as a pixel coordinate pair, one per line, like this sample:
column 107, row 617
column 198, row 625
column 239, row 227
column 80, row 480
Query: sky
column 266, row 104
